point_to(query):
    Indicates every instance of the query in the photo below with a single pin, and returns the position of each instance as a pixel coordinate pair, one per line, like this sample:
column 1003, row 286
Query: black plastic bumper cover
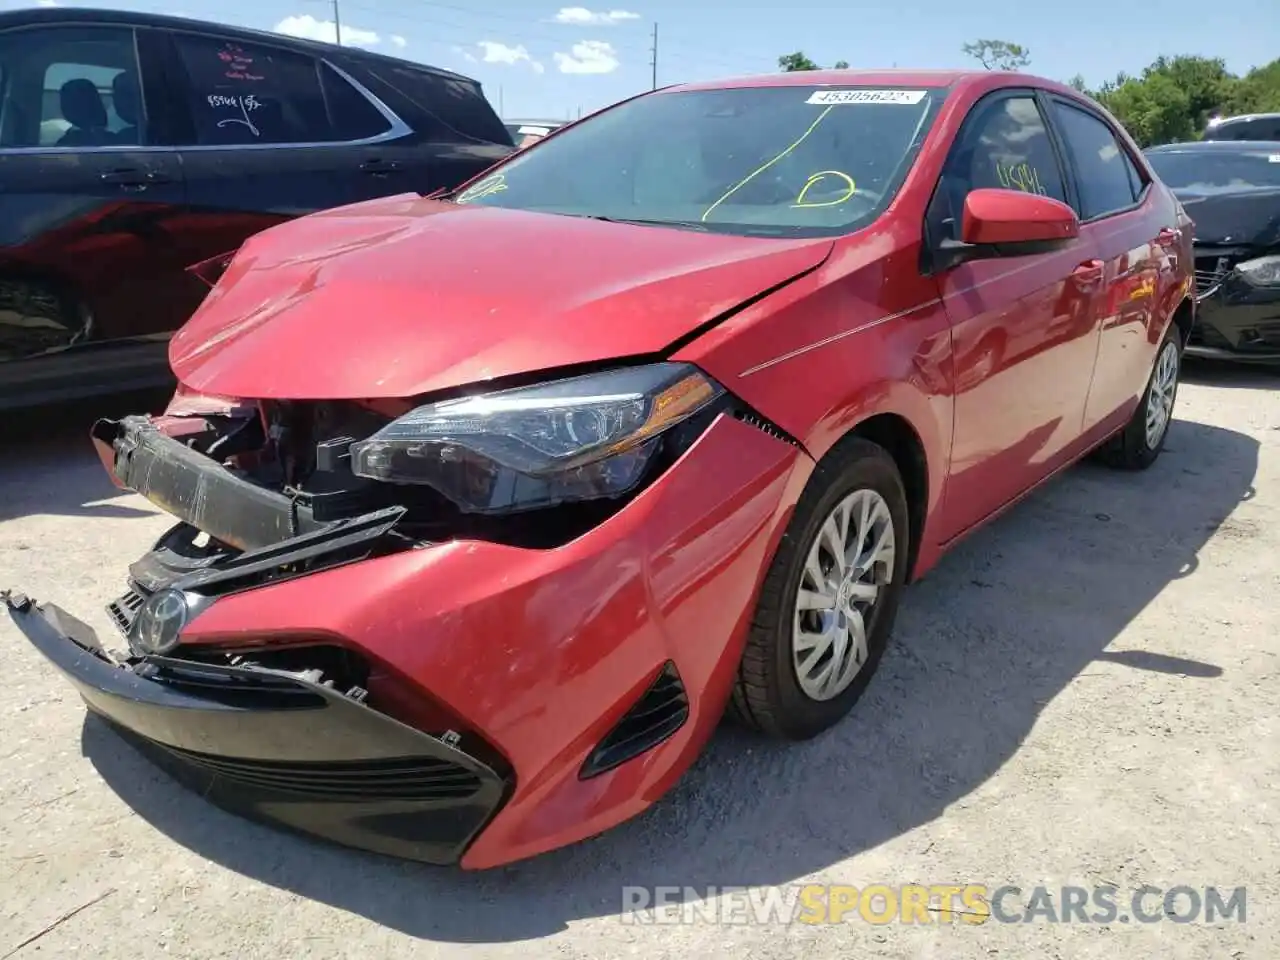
column 195, row 489
column 273, row 747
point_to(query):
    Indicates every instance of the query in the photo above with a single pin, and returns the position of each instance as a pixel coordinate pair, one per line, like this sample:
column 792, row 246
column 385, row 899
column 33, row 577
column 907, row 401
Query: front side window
column 1217, row 171
column 774, row 161
column 64, row 87
column 243, row 93
column 1003, row 145
column 1102, row 168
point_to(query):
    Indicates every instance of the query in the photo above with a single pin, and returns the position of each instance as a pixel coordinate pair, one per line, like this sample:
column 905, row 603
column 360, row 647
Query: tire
column 769, row 695
column 1133, row 448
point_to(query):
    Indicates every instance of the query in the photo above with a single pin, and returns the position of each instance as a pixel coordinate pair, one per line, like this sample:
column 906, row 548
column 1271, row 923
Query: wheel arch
column 896, row 435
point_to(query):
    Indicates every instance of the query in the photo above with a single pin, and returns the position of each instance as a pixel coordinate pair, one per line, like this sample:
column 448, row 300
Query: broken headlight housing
column 1262, row 272
column 583, row 438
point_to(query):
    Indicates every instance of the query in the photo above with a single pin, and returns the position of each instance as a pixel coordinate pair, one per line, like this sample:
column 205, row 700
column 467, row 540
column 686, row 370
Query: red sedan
column 491, row 504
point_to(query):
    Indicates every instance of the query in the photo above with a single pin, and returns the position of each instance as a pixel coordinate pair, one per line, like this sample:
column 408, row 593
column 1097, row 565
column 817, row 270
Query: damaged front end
column 314, row 724
column 1237, row 303
column 306, row 733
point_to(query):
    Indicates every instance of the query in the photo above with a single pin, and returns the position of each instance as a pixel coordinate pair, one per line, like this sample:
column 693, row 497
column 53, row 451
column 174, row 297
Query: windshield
column 774, row 161
column 1218, row 171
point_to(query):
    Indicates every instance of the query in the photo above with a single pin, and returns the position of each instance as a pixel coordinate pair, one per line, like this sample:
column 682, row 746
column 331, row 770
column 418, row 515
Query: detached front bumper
column 274, row 747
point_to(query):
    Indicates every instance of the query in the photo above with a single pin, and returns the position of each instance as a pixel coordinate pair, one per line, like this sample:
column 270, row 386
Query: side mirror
column 1008, row 223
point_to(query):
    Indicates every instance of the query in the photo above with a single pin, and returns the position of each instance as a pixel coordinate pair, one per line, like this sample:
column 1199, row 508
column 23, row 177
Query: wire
column 765, row 166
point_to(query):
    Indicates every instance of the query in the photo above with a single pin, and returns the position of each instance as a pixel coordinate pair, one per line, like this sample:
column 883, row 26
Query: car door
column 1024, row 332
column 89, row 285
column 1133, row 235
column 271, row 133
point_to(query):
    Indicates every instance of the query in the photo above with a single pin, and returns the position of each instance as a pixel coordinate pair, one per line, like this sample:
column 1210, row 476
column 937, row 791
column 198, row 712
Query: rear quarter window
column 456, row 108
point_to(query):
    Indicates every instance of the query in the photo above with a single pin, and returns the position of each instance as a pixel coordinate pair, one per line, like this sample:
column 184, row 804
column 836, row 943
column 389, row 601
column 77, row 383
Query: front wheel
column 1137, row 446
column 829, row 599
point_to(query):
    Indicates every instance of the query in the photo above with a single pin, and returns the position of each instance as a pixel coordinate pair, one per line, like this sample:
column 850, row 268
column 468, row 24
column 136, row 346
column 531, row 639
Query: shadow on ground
column 49, row 466
column 1223, row 373
column 1007, row 621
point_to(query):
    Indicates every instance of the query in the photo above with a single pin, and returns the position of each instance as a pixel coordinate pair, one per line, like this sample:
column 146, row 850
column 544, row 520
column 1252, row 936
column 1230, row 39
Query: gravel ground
column 1083, row 694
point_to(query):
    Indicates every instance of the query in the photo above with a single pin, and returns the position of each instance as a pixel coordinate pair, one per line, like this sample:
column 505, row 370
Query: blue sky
column 539, row 59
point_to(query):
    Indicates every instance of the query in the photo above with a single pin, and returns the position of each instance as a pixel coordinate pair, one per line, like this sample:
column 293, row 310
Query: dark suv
column 133, row 146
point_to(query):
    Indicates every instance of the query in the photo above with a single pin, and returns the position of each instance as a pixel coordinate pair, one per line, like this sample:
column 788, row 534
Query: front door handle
column 132, row 178
column 378, row 167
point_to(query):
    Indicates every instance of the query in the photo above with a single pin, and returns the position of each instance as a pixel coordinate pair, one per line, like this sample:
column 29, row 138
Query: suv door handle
column 1088, row 273
column 379, row 167
column 131, row 177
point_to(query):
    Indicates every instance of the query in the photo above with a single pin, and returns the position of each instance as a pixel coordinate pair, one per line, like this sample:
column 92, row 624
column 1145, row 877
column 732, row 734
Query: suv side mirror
column 1008, row 223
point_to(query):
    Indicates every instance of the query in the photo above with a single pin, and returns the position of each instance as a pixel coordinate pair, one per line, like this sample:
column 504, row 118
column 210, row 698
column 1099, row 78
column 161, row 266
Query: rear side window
column 72, row 86
column 1004, row 145
column 1104, row 170
column 457, row 106
column 243, row 93
column 352, row 116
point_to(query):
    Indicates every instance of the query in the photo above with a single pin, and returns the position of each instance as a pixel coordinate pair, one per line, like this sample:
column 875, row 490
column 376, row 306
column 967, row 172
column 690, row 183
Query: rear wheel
column 1137, row 446
column 829, row 599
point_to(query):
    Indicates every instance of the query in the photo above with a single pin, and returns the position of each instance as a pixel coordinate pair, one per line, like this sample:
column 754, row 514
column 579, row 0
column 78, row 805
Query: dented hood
column 404, row 296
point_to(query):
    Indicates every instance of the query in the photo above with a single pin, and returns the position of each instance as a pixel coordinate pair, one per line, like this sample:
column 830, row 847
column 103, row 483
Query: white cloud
column 399, row 41
column 309, row 28
column 494, row 52
column 589, row 56
column 582, row 17
column 46, row 3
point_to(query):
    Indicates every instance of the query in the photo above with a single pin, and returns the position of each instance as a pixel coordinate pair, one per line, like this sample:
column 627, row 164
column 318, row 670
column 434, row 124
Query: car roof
column 896, row 77
column 1242, row 118
column 1218, row 146
column 30, row 16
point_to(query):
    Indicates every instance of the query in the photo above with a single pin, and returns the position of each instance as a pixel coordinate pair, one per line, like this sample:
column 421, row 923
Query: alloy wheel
column 1164, row 384
column 849, row 562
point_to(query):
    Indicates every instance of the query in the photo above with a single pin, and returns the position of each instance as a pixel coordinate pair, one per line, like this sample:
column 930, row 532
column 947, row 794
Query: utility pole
column 501, row 109
column 337, row 23
column 653, row 62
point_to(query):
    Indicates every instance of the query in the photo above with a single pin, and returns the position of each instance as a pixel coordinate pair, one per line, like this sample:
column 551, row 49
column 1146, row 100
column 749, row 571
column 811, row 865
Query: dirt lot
column 1084, row 694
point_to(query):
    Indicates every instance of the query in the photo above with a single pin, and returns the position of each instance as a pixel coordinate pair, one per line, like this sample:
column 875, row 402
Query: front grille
column 409, row 779
column 1210, row 271
column 124, row 610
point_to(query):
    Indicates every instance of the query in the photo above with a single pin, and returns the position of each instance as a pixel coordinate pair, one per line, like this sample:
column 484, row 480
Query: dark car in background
column 134, row 146
column 1231, row 189
column 1247, row 126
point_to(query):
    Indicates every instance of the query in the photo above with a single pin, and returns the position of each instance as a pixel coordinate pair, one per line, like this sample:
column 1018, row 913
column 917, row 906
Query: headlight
column 582, row 438
column 1262, row 272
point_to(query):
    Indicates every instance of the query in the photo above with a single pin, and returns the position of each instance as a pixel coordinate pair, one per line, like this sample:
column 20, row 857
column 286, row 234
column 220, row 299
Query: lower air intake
column 661, row 710
column 412, row 779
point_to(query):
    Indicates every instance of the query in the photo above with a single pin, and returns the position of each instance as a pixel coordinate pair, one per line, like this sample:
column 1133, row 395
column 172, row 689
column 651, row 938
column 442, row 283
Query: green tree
column 792, row 62
column 998, row 54
column 798, row 61
column 1205, row 83
column 1258, row 91
column 1153, row 109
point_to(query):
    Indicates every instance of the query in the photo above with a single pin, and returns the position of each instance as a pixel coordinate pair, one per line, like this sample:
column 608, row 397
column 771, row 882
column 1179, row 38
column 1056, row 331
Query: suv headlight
column 583, row 438
column 1262, row 272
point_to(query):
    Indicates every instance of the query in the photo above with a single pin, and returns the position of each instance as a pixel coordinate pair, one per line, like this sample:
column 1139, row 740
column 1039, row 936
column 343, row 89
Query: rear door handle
column 379, row 167
column 1088, row 273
